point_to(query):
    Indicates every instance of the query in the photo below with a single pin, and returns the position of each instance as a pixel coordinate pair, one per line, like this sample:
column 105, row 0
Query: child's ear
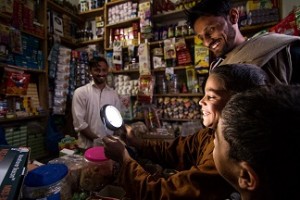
column 248, row 179
column 234, row 15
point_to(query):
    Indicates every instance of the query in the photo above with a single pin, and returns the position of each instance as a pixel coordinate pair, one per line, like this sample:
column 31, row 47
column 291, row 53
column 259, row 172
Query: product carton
column 13, row 166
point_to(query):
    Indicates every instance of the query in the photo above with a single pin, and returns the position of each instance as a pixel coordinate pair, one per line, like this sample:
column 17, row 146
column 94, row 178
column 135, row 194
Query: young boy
column 257, row 143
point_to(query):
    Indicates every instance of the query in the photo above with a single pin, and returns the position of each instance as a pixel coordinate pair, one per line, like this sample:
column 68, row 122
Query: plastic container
column 71, row 181
column 45, row 182
column 161, row 84
column 173, row 84
column 97, row 171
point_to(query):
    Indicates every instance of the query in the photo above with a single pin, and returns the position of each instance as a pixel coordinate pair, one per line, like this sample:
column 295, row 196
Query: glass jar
column 161, row 84
column 178, row 31
column 46, row 182
column 170, row 31
column 190, row 31
column 184, row 30
column 173, row 84
column 97, row 171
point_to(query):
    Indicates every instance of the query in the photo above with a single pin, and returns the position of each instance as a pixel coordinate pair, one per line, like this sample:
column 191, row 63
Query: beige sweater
column 271, row 51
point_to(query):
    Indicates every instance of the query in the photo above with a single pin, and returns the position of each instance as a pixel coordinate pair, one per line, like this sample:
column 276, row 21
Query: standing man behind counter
column 87, row 102
column 216, row 23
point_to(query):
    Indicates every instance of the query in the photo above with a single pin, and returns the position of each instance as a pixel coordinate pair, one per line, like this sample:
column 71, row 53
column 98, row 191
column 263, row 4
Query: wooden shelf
column 256, row 28
column 179, row 95
column 92, row 13
column 3, row 65
column 71, row 42
column 135, row 119
column 125, row 47
column 115, row 2
column 33, row 34
column 156, row 43
column 189, row 37
column 52, row 5
column 91, row 42
column 38, row 77
column 109, row 49
column 130, row 71
column 174, row 14
column 5, row 16
column 21, row 119
column 162, row 69
column 124, row 23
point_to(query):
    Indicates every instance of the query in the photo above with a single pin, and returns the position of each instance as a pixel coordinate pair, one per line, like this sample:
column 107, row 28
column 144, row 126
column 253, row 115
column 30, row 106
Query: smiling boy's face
column 213, row 101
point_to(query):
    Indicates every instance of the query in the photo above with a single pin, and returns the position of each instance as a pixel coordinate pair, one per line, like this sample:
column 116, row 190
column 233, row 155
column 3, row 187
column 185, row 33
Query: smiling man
column 87, row 102
column 216, row 23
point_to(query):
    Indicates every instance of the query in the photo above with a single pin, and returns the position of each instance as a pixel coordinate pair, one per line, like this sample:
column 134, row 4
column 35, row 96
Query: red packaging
column 16, row 83
column 287, row 25
column 145, row 90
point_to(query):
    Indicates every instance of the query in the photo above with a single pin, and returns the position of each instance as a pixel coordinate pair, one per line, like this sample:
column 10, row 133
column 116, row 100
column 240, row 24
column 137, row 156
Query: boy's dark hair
column 208, row 8
column 94, row 61
column 240, row 77
column 261, row 127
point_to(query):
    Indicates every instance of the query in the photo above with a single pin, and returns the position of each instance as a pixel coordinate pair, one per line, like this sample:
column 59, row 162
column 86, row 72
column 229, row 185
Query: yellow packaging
column 201, row 56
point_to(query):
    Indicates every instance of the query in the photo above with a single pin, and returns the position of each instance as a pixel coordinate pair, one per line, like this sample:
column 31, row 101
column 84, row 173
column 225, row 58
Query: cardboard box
column 144, row 59
column 57, row 25
column 13, row 166
column 126, row 107
column 6, row 6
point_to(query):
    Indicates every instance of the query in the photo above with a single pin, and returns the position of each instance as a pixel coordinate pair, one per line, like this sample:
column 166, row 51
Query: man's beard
column 100, row 80
column 229, row 45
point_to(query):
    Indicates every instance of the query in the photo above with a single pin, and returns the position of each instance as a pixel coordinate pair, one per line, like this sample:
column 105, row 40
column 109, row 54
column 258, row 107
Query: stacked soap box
column 16, row 136
column 29, row 135
column 26, row 52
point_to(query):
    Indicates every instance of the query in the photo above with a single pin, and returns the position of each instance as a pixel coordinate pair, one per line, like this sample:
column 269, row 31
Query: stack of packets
column 68, row 146
column 290, row 25
column 15, row 82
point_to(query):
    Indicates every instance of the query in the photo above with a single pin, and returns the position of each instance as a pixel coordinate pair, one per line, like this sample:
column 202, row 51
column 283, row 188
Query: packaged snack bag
column 16, row 83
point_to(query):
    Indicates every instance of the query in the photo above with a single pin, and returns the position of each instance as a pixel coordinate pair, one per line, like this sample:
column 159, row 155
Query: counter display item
column 146, row 88
column 45, row 182
column 161, row 84
column 13, row 164
column 97, row 171
column 75, row 164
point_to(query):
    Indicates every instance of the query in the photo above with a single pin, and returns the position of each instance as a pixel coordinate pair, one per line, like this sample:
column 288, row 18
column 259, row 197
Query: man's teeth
column 205, row 113
column 215, row 45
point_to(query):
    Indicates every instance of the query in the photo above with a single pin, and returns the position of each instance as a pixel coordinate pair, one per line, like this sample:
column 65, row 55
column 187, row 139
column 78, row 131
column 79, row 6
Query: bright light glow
column 113, row 116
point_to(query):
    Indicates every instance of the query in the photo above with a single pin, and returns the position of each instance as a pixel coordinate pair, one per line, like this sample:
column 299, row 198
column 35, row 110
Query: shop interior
column 156, row 65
